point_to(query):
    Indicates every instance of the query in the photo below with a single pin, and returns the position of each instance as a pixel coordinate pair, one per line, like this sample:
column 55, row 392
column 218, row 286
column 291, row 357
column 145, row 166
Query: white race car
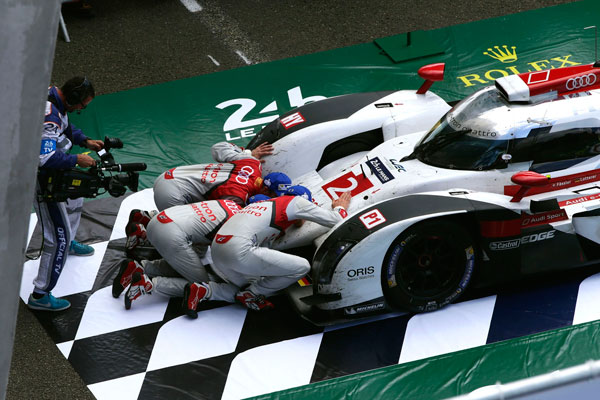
column 503, row 184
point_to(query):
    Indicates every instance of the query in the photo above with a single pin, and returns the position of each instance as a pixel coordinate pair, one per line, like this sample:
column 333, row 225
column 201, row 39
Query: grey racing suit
column 241, row 250
column 180, row 234
column 235, row 175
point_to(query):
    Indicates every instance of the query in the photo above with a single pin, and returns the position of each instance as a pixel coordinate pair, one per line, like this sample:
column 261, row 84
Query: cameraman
column 60, row 220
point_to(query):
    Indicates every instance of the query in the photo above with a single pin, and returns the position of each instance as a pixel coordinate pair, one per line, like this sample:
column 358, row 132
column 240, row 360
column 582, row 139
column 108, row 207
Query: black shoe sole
column 136, row 277
column 117, row 288
column 193, row 314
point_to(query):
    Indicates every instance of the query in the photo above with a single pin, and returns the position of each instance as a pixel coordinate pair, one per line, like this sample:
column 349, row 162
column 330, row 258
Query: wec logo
column 514, row 243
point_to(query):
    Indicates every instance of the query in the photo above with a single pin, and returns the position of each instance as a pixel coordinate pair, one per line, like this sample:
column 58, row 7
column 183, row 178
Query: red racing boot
column 141, row 216
column 193, row 294
column 123, row 278
column 253, row 301
column 140, row 285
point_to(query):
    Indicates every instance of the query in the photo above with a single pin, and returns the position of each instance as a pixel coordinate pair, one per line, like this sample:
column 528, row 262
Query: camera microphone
column 126, row 167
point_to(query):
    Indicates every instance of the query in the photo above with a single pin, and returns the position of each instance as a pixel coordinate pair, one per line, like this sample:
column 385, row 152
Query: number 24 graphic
column 236, row 119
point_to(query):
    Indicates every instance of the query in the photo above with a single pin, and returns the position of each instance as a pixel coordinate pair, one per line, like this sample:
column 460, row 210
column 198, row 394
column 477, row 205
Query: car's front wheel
column 428, row 266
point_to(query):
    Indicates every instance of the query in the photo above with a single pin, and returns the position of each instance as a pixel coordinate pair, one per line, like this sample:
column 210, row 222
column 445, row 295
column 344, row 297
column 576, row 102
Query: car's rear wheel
column 428, row 266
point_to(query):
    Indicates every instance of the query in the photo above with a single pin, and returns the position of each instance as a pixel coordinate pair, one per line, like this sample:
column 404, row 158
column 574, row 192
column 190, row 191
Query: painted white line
column 213, row 60
column 243, row 57
column 191, row 5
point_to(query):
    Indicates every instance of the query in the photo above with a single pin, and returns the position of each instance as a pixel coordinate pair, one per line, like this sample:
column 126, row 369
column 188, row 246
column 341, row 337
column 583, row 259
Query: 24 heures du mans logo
column 507, row 57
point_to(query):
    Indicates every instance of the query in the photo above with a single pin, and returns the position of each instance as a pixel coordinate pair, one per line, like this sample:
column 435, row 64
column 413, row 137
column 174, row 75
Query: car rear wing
column 532, row 87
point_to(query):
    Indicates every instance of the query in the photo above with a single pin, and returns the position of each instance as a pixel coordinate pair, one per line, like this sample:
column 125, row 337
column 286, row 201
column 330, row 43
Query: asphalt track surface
column 133, row 43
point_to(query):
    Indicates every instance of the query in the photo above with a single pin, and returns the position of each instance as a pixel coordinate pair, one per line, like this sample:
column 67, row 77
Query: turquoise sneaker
column 80, row 249
column 48, row 303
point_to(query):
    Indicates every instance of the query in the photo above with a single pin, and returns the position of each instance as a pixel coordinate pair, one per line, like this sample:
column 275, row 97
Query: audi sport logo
column 244, row 174
column 582, row 81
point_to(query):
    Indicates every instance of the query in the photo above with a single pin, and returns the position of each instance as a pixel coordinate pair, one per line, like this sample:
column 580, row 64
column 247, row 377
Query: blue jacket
column 58, row 135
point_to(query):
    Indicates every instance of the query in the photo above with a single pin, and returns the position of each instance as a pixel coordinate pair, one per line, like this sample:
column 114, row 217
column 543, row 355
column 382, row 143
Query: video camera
column 60, row 185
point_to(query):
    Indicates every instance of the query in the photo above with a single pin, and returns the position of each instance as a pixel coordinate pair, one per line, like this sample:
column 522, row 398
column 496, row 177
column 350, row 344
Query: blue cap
column 277, row 182
column 258, row 197
column 301, row 191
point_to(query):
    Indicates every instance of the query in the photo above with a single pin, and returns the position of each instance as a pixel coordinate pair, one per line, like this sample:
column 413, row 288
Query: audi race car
column 504, row 184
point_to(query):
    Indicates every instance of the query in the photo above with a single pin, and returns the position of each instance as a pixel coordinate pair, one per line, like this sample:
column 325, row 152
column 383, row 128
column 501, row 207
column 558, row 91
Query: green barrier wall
column 461, row 372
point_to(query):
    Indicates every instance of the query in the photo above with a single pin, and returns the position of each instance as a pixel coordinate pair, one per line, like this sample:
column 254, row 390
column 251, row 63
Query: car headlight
column 324, row 263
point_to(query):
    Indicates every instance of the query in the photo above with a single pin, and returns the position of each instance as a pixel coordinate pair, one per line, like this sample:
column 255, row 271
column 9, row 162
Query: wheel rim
column 429, row 265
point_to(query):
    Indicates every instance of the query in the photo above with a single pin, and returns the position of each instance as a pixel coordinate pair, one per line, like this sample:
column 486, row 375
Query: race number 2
column 372, row 218
column 349, row 182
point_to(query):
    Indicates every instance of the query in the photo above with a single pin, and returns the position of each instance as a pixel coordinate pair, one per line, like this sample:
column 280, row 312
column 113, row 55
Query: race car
column 504, row 184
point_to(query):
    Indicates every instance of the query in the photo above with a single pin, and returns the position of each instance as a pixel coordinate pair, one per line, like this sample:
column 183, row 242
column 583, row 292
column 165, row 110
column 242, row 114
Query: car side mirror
column 527, row 180
column 431, row 73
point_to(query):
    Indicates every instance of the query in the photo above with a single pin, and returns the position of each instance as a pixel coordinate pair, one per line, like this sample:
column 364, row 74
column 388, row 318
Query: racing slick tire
column 428, row 266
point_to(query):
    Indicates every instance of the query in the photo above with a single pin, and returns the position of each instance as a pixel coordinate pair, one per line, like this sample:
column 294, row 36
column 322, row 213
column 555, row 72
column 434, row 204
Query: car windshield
column 466, row 138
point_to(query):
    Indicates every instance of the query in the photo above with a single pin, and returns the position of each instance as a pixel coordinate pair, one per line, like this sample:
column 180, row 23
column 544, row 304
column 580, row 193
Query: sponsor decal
column 240, row 125
column 162, row 218
column 244, row 174
column 48, row 146
column 204, row 211
column 380, row 170
column 514, row 243
column 581, row 81
column 470, row 253
column 503, row 54
column 558, row 183
column 292, row 120
column 508, row 55
column 579, row 200
column 397, row 165
column 222, row 239
column 255, row 209
column 367, row 308
column 211, row 173
column 360, row 273
column 384, row 105
column 348, row 182
column 543, row 218
column 169, row 174
column 60, row 251
column 393, row 262
column 453, row 122
column 372, row 218
column 232, row 206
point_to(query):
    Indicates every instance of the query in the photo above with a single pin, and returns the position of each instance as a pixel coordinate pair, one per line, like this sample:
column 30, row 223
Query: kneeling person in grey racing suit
column 236, row 175
column 177, row 233
column 242, row 257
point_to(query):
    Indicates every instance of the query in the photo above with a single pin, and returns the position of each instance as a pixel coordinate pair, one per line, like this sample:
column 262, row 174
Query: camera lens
column 112, row 143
